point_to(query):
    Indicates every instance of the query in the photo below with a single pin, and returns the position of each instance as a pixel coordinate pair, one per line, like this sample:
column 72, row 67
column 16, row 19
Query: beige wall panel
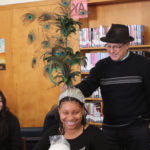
column 28, row 92
column 34, row 93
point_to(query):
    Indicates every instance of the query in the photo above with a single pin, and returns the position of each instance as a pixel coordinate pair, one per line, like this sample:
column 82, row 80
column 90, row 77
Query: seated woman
column 72, row 125
column 10, row 136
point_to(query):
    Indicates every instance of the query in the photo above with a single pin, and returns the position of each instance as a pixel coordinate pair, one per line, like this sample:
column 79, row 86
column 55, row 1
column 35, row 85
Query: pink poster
column 79, row 9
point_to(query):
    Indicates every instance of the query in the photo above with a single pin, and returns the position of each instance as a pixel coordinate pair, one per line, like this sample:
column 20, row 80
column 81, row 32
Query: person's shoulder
column 93, row 129
column 13, row 121
column 12, row 116
column 54, row 130
column 139, row 57
column 96, row 132
column 104, row 60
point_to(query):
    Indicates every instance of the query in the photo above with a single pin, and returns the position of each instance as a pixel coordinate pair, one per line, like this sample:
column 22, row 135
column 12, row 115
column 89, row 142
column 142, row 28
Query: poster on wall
column 2, row 55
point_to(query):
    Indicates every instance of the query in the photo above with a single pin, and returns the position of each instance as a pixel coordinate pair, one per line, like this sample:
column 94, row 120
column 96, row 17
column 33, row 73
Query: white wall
column 8, row 2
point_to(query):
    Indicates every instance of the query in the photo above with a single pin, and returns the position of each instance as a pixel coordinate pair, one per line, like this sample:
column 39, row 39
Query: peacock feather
column 44, row 17
column 59, row 58
column 31, row 36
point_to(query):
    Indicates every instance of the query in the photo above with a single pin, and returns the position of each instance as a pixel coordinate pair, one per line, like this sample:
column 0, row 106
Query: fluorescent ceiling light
column 8, row 2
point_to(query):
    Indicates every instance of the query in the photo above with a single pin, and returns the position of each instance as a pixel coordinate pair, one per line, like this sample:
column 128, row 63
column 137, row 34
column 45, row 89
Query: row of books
column 92, row 59
column 90, row 37
column 137, row 31
column 96, row 93
column 95, row 112
column 142, row 53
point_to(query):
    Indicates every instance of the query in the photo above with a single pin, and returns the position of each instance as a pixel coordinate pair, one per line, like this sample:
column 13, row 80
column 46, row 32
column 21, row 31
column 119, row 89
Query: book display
column 103, row 13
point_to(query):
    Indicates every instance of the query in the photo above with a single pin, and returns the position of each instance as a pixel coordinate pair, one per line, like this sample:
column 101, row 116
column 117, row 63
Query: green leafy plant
column 60, row 58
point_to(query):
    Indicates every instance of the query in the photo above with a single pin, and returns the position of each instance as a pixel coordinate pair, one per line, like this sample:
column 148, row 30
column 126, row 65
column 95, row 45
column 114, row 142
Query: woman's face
column 1, row 103
column 71, row 114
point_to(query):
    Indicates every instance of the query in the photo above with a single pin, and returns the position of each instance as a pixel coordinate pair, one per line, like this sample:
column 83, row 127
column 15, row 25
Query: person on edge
column 124, row 79
column 10, row 134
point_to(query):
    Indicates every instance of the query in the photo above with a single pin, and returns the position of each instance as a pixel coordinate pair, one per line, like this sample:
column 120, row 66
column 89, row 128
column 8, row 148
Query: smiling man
column 124, row 79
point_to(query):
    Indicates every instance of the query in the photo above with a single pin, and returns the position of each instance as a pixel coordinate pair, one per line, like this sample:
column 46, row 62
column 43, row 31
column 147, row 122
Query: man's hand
column 63, row 88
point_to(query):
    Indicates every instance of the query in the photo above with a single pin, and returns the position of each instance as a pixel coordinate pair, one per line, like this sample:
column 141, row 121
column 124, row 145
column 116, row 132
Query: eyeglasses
column 114, row 46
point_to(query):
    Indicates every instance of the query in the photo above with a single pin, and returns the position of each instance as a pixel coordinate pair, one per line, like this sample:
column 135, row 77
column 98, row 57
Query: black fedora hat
column 118, row 33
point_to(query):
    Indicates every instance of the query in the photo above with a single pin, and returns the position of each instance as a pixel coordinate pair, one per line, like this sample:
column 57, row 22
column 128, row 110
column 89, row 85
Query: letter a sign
column 79, row 9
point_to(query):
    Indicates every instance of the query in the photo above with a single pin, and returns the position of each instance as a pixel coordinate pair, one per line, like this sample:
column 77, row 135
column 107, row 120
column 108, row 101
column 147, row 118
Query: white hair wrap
column 74, row 93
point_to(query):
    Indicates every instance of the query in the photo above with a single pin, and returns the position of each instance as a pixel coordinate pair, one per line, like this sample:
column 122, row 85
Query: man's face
column 117, row 51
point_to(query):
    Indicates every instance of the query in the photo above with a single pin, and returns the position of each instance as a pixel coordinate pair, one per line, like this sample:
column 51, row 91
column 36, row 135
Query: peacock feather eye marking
column 61, row 41
column 45, row 44
column 68, row 59
column 28, row 18
column 58, row 54
column 44, row 17
column 47, row 68
column 47, row 26
column 65, row 4
column 63, row 53
column 33, row 62
column 83, row 13
column 31, row 37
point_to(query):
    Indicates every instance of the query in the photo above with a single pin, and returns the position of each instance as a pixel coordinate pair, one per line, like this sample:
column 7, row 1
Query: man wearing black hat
column 124, row 79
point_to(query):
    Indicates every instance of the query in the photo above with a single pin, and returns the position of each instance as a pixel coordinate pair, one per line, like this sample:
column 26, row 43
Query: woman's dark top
column 92, row 138
column 13, row 140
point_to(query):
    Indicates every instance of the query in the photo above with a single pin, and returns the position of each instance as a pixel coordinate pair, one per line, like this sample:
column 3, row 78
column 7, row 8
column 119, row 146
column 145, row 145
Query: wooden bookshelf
column 105, row 12
column 103, row 49
column 105, row 2
column 95, row 124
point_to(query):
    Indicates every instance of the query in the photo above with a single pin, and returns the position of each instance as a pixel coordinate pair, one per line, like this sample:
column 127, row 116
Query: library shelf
column 95, row 124
column 103, row 49
column 105, row 12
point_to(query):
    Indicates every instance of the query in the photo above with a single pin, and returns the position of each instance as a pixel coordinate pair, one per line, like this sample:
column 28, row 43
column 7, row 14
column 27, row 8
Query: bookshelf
column 105, row 12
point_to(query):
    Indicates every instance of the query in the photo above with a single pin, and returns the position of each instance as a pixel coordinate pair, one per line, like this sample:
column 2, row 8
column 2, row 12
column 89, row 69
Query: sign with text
column 79, row 9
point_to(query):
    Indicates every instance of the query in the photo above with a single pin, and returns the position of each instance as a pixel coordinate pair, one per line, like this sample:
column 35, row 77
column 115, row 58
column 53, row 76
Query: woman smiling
column 72, row 125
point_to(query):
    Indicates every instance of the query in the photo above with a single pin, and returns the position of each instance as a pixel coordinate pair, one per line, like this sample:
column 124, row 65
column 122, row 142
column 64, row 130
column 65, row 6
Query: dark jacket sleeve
column 50, row 119
column 91, row 83
column 44, row 142
column 99, row 141
column 147, row 81
column 16, row 143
